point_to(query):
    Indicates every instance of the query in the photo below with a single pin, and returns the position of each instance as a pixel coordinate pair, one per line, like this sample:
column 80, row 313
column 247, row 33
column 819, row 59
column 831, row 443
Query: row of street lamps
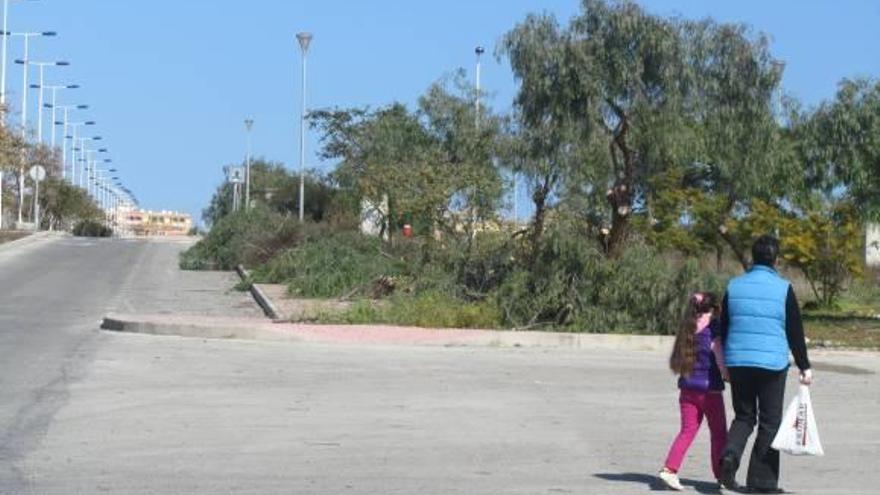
column 85, row 169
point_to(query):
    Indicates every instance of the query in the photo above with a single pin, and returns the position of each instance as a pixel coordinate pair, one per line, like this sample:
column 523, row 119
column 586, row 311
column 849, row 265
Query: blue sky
column 170, row 81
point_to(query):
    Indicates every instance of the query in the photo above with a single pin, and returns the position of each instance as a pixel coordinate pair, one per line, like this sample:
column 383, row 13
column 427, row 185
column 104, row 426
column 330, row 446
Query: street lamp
column 26, row 62
column 42, row 66
column 54, row 89
column 66, row 109
column 27, row 37
column 86, row 159
column 73, row 148
column 248, row 124
column 6, row 34
column 103, row 186
column 304, row 40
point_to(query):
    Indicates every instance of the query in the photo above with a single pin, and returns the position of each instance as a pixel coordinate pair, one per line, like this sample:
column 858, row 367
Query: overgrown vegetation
column 649, row 145
column 91, row 228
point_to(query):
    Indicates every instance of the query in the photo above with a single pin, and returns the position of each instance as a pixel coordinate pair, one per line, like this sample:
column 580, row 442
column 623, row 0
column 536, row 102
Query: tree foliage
column 431, row 167
column 276, row 189
column 647, row 143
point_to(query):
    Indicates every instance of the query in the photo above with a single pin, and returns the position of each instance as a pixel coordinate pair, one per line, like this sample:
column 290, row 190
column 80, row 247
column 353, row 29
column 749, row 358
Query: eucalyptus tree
column 743, row 150
column 432, row 167
column 385, row 160
column 468, row 144
column 602, row 102
column 839, row 144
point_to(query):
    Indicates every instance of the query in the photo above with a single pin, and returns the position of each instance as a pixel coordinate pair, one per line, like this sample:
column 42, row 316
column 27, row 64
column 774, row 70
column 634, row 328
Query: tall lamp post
column 6, row 34
column 42, row 66
column 65, row 124
column 53, row 88
column 85, row 157
column 304, row 40
column 74, row 161
column 248, row 125
column 27, row 37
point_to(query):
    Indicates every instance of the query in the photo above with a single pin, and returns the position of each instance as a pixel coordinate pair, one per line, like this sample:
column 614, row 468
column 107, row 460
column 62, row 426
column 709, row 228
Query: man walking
column 760, row 323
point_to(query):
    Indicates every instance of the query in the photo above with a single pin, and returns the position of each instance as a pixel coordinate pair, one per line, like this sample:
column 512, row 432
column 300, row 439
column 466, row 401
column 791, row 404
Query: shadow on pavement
column 653, row 483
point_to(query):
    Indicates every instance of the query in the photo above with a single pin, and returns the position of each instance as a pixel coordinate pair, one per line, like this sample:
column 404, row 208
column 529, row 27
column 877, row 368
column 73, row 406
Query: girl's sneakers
column 670, row 479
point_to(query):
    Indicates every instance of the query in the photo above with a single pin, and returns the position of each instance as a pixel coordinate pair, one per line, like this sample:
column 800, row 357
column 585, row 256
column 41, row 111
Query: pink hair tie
column 698, row 297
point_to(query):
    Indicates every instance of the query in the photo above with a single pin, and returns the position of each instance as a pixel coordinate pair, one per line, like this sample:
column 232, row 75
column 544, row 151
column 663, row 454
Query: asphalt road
column 53, row 292
column 88, row 412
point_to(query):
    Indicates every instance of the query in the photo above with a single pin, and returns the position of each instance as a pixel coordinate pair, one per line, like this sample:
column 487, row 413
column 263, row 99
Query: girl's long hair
column 684, row 352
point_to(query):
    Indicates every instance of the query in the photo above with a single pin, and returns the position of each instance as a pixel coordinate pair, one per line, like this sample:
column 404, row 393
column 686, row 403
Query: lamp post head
column 479, row 50
column 62, row 63
column 304, row 40
column 49, row 33
column 248, row 123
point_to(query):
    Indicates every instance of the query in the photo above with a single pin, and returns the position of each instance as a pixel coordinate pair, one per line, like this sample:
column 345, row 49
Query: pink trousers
column 695, row 405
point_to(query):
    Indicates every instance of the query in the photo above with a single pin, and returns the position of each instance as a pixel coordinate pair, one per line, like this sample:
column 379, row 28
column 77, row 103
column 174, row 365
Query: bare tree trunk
column 540, row 199
column 738, row 251
column 620, row 197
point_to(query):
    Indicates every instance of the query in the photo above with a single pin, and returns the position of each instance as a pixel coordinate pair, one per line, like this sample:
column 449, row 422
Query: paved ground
column 140, row 414
column 54, row 292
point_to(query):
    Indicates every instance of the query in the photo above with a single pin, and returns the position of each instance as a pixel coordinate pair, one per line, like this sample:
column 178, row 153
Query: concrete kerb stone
column 259, row 296
column 255, row 329
column 197, row 327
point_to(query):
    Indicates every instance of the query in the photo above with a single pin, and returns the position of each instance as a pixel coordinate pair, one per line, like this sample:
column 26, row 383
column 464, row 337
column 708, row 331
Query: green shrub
column 648, row 293
column 333, row 265
column 91, row 228
column 564, row 279
column 248, row 237
column 427, row 309
column 574, row 287
column 479, row 266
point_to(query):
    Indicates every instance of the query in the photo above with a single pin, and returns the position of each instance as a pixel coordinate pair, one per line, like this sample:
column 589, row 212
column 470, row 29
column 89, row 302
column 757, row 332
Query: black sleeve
column 794, row 331
column 725, row 320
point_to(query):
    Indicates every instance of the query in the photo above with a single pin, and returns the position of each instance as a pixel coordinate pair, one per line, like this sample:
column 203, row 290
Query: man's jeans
column 757, row 396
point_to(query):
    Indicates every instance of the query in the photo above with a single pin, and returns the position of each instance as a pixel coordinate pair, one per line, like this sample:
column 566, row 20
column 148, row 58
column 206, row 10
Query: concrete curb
column 261, row 298
column 216, row 329
column 262, row 330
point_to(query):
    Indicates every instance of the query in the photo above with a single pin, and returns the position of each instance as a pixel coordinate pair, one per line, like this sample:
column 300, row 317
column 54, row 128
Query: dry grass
column 860, row 333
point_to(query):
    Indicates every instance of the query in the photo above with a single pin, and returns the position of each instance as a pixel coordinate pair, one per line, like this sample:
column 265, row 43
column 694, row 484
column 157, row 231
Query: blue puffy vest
column 756, row 310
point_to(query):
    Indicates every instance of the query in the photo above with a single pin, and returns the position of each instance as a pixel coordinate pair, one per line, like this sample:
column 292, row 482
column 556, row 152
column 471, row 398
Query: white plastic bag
column 798, row 434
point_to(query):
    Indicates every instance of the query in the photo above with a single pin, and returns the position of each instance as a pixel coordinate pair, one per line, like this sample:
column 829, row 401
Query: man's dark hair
column 765, row 250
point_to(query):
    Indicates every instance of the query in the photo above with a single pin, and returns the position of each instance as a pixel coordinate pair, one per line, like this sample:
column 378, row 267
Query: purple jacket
column 706, row 376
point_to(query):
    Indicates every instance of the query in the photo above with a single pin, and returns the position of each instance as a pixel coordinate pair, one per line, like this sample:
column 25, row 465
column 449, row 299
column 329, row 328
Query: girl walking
column 698, row 359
